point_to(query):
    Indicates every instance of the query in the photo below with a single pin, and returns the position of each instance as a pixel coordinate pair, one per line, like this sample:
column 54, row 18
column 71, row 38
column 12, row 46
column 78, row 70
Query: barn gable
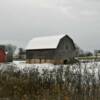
column 68, row 45
column 66, row 48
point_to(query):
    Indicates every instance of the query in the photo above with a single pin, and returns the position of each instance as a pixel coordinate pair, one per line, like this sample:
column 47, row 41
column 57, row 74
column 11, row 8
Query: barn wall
column 40, row 54
column 41, row 61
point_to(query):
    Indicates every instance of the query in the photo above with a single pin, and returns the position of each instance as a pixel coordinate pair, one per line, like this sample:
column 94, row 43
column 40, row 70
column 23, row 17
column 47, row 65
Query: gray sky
column 21, row 20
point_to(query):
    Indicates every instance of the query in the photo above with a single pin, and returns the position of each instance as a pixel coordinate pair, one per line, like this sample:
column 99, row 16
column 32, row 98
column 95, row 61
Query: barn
column 5, row 53
column 58, row 49
column 2, row 54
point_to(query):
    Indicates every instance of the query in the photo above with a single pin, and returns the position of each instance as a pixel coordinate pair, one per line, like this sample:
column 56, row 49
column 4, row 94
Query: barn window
column 66, row 47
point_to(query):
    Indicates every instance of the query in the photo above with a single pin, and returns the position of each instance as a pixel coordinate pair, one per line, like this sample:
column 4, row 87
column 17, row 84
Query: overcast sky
column 21, row 20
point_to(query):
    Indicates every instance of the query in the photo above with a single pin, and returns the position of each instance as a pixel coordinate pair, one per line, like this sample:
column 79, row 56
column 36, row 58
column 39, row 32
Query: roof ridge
column 49, row 35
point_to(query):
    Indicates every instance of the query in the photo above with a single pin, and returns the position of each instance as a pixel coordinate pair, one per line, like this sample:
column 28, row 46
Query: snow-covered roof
column 46, row 42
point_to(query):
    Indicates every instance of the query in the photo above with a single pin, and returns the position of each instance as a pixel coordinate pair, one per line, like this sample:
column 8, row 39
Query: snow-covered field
column 91, row 67
column 21, row 65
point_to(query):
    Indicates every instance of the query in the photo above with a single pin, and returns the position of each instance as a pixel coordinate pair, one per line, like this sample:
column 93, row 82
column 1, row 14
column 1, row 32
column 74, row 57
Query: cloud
column 82, row 9
column 74, row 9
column 21, row 20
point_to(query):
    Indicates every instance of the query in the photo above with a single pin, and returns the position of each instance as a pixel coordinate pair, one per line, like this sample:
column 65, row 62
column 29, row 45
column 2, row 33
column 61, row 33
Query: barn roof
column 46, row 42
column 2, row 46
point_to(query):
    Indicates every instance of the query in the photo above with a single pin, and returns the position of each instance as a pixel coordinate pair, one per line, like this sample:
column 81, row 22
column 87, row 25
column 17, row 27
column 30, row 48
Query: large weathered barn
column 57, row 49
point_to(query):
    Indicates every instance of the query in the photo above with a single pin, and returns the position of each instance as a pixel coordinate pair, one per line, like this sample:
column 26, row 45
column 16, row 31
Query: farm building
column 2, row 54
column 5, row 54
column 57, row 49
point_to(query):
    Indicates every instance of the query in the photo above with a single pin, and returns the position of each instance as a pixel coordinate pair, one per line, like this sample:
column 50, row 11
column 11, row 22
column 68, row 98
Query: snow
column 92, row 67
column 44, row 42
column 21, row 65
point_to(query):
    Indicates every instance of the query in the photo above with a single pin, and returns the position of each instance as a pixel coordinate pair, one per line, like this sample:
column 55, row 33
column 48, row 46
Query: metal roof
column 46, row 42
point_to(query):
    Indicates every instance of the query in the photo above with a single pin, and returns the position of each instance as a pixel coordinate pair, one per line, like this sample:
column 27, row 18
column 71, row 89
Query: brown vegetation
column 64, row 83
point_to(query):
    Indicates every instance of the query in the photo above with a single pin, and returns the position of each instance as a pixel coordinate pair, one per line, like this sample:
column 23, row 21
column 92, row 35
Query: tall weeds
column 66, row 82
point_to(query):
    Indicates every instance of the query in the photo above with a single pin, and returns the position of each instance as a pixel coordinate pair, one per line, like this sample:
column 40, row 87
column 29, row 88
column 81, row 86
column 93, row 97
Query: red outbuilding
column 2, row 55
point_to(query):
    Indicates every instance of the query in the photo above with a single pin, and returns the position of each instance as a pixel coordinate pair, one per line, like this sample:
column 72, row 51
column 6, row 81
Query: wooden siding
column 40, row 54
